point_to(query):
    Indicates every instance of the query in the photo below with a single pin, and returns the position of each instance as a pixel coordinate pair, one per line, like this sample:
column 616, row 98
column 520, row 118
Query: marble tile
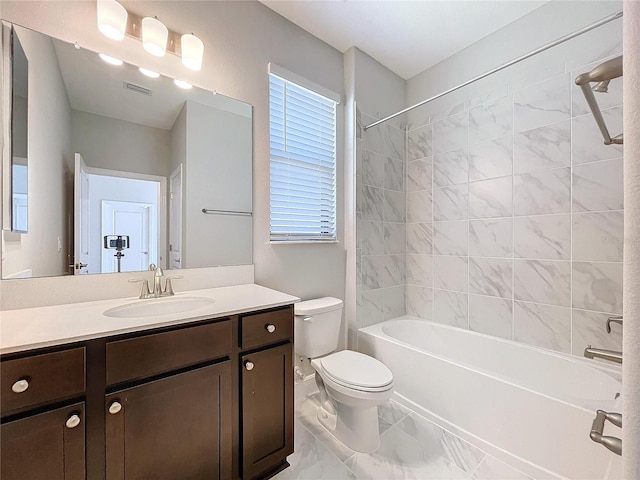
column 543, row 325
column 359, row 152
column 419, row 238
column 587, row 142
column 420, row 270
column 440, row 443
column 374, row 138
column 402, row 457
column 451, row 168
column 383, row 425
column 606, row 42
column 420, row 301
column 450, row 308
column 588, row 328
column 444, row 107
column 491, row 120
column 359, row 194
column 543, row 281
column 612, row 98
column 370, row 308
column 419, row 143
column 598, row 186
column 392, row 411
column 394, row 174
column 373, row 169
column 451, row 133
column 395, row 239
column 419, row 175
column 542, row 148
column 597, row 286
column 542, row 237
column 372, row 203
column 493, row 469
column 312, row 460
column 490, row 315
column 358, row 266
column 598, row 236
column 491, row 238
column 491, row 159
column 373, row 267
column 371, row 237
column 394, row 302
column 393, row 272
column 450, row 273
column 358, row 125
column 491, row 198
column 396, row 142
column 451, row 238
column 491, row 276
column 394, row 206
column 419, row 206
column 543, row 103
column 451, row 203
column 543, row 192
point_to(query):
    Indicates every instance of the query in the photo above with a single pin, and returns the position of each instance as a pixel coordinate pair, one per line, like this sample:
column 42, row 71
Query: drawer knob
column 270, row 327
column 249, row 365
column 73, row 421
column 20, row 386
column 115, row 407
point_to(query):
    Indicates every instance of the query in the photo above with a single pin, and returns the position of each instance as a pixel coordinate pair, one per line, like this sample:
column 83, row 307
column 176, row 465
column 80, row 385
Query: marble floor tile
column 392, row 412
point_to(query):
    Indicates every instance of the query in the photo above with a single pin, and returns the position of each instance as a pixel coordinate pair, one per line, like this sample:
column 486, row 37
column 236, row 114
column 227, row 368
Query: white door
column 133, row 220
column 175, row 219
column 80, row 217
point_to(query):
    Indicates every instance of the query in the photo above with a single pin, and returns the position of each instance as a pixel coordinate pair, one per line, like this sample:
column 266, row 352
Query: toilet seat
column 357, row 371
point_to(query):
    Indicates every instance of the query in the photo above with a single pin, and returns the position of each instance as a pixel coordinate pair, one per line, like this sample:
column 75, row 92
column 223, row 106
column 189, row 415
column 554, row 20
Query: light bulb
column 111, row 60
column 192, row 51
column 112, row 19
column 148, row 73
column 154, row 36
column 183, row 84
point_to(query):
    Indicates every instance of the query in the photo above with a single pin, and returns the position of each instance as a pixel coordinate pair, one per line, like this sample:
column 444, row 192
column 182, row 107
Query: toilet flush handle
column 307, row 319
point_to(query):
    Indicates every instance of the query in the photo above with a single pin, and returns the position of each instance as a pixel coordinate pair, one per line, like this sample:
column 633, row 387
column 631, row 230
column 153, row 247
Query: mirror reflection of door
column 80, row 217
column 133, row 220
column 175, row 219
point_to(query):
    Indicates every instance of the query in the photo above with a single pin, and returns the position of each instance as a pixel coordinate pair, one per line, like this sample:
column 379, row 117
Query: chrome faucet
column 610, row 355
column 157, row 291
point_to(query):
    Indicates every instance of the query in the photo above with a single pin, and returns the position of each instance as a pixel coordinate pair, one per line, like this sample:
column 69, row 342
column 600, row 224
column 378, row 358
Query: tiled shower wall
column 514, row 220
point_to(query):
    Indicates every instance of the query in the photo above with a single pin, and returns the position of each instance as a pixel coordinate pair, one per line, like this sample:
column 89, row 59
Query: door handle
column 79, row 265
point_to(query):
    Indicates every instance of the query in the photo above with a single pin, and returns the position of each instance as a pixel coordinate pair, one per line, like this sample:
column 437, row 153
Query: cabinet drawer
column 47, row 378
column 264, row 328
column 148, row 355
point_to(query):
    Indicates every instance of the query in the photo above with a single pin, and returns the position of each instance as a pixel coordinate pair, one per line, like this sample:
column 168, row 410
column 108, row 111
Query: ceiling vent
column 137, row 88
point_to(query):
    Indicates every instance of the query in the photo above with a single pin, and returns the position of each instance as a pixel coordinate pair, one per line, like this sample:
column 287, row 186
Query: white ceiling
column 406, row 36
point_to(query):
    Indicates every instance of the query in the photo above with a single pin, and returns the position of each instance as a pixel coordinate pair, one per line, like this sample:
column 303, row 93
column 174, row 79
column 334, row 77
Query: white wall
column 115, row 144
column 240, row 39
column 49, row 150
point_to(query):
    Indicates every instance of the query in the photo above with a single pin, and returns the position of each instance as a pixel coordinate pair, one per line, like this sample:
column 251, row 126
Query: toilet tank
column 317, row 326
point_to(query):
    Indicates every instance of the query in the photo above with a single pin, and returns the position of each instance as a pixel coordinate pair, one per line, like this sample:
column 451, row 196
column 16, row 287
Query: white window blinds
column 303, row 163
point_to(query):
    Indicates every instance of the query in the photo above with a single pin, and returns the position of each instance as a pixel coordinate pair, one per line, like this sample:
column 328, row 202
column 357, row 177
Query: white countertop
column 30, row 328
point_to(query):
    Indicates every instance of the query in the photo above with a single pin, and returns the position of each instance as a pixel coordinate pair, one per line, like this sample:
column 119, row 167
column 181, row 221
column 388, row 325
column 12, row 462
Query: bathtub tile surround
column 526, row 208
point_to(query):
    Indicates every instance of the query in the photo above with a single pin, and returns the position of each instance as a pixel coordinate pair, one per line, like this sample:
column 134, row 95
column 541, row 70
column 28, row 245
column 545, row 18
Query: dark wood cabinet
column 267, row 409
column 45, row 446
column 175, row 427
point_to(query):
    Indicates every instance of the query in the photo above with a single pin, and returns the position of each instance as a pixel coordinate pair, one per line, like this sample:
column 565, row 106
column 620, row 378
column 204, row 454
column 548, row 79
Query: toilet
column 351, row 384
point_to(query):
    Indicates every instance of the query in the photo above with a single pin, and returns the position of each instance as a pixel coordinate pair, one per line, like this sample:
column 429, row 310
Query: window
column 303, row 162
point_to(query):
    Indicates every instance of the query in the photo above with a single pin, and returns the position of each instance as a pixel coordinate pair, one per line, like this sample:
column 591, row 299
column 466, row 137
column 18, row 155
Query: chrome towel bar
column 225, row 212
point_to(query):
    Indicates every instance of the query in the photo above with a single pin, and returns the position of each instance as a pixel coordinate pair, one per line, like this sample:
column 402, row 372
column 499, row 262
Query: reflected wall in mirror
column 19, row 143
column 114, row 152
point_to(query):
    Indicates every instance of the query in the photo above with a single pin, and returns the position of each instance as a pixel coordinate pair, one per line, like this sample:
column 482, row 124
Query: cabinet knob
column 115, row 407
column 20, row 386
column 249, row 365
column 270, row 327
column 73, row 421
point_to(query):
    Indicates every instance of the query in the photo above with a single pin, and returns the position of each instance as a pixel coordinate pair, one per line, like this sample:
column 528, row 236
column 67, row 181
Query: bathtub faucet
column 610, row 355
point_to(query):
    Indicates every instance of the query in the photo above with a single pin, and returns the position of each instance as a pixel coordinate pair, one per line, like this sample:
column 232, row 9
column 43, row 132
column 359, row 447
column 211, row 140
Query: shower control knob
column 270, row 328
column 115, row 407
column 249, row 365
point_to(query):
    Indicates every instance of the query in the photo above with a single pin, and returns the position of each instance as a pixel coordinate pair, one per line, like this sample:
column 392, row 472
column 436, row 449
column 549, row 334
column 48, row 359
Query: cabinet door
column 47, row 446
column 175, row 427
column 267, row 409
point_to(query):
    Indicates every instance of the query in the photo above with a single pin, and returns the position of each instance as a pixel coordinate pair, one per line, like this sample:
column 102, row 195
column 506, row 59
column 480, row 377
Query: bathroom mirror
column 125, row 168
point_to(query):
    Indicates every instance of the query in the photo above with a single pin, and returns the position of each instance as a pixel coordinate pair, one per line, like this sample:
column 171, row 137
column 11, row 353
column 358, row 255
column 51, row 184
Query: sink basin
column 158, row 306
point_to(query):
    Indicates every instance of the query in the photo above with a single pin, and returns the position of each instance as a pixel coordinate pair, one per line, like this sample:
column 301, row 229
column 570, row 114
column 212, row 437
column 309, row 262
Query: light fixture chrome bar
column 225, row 212
column 552, row 44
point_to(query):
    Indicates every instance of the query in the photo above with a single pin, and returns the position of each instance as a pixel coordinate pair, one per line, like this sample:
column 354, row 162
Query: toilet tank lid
column 317, row 306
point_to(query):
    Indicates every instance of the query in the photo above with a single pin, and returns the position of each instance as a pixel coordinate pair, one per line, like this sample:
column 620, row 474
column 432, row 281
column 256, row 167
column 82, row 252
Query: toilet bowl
column 351, row 384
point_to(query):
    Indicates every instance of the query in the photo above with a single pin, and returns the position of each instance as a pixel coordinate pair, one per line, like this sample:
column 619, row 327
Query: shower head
column 602, row 87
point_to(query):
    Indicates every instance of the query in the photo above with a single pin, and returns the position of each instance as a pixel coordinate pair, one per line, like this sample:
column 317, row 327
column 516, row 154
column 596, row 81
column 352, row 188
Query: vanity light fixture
column 154, row 36
column 111, row 60
column 112, row 19
column 148, row 73
column 182, row 84
column 192, row 51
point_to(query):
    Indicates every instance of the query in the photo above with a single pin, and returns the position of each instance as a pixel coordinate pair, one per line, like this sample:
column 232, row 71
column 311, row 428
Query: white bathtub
column 528, row 406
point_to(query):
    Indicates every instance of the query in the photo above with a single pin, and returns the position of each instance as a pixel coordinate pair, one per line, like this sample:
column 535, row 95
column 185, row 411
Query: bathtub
column 529, row 407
